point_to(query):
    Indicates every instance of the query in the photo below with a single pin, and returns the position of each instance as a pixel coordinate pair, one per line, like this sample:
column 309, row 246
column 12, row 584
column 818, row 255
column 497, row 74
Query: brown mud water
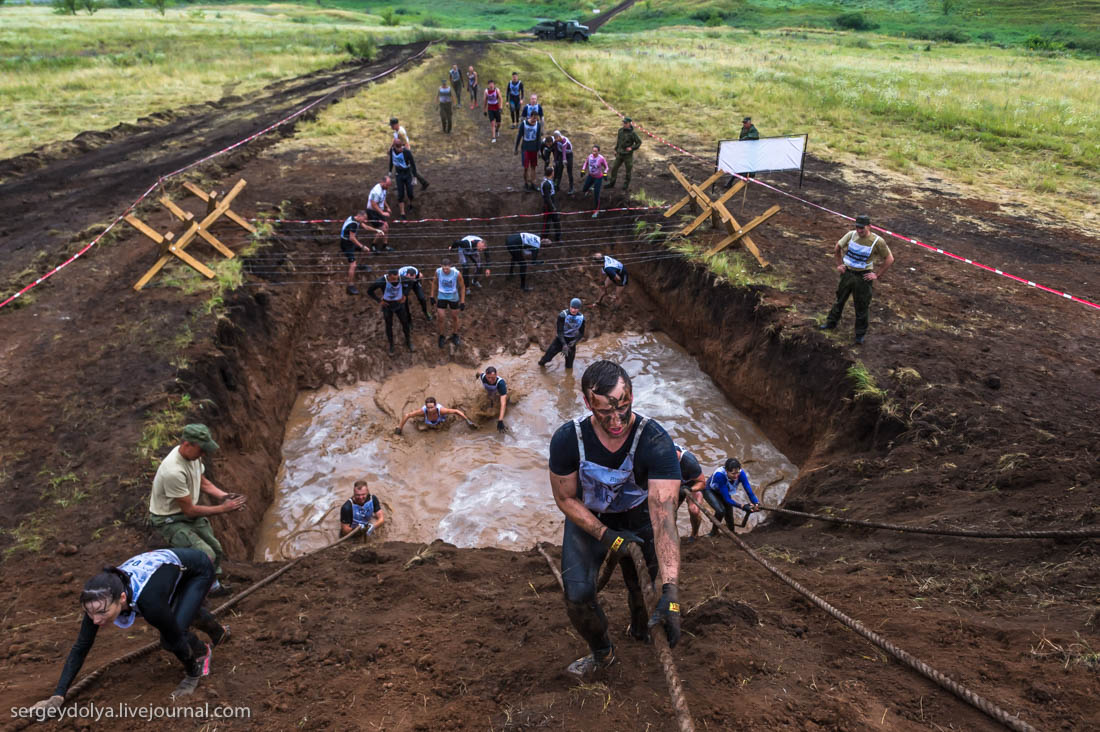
column 481, row 488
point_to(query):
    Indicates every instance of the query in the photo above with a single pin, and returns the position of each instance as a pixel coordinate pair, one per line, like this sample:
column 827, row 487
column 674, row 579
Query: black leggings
column 722, row 510
column 581, row 557
column 558, row 346
column 514, row 107
column 519, row 251
column 566, row 165
column 552, row 220
column 401, row 310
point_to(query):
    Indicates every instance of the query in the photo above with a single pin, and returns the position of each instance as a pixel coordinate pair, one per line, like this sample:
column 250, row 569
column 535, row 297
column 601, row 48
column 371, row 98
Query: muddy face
column 612, row 413
column 482, row 488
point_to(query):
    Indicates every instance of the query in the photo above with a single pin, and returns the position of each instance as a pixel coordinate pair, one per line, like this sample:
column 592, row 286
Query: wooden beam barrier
column 217, row 206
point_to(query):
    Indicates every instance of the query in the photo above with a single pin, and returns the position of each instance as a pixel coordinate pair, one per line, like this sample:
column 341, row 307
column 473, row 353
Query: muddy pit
column 478, row 488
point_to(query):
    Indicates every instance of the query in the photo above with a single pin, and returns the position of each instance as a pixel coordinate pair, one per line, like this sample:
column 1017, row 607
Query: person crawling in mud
column 615, row 475
column 166, row 587
column 362, row 510
column 616, row 278
column 433, row 415
column 497, row 391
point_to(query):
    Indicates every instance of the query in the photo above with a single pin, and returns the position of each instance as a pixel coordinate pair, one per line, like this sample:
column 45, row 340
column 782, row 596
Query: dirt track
column 997, row 430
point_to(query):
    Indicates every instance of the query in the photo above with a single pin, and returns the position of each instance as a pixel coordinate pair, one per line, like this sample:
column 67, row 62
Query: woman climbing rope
column 166, row 587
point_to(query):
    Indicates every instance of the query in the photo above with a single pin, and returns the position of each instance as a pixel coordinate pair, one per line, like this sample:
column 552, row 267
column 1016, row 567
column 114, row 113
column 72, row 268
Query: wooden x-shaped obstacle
column 716, row 210
column 171, row 246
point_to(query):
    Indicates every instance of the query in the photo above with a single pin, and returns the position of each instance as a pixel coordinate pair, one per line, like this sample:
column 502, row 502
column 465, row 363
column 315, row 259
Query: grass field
column 61, row 75
column 981, row 117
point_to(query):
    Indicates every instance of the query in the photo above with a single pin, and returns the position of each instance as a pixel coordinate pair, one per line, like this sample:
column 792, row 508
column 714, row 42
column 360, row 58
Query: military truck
column 559, row 30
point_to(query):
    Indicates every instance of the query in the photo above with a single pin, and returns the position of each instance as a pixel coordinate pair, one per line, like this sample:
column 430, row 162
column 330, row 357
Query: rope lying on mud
column 660, row 640
column 149, row 648
column 976, row 701
column 971, row 533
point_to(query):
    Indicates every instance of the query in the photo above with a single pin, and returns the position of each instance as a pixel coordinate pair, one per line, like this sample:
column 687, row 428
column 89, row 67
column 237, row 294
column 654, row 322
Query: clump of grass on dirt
column 163, row 427
column 864, row 385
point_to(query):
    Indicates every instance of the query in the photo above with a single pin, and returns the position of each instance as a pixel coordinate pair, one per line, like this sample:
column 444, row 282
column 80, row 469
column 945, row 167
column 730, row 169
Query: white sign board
column 765, row 154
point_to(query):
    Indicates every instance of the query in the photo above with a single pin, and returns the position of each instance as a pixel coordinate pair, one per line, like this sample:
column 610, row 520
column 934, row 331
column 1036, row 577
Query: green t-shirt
column 176, row 477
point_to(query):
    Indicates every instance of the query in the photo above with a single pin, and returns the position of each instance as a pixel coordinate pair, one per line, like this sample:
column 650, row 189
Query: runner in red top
column 492, row 107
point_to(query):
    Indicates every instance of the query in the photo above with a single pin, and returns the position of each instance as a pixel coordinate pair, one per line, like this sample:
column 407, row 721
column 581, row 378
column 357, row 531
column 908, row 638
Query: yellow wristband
column 617, row 543
column 674, row 607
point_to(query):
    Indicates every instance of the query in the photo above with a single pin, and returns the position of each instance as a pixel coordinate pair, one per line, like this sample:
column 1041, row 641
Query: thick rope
column 147, row 649
column 660, row 640
column 660, row 645
column 971, row 533
column 976, row 701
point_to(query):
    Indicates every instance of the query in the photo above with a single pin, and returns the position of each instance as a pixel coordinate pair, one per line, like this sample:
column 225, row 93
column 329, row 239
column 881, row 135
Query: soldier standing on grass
column 446, row 106
column 748, row 132
column 174, row 508
column 626, row 144
column 855, row 254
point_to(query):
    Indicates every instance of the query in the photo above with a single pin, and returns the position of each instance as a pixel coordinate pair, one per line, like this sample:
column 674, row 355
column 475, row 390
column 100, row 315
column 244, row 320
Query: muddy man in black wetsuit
column 615, row 476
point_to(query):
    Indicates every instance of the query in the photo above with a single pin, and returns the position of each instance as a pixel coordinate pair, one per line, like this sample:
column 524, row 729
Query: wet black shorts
column 447, row 304
column 349, row 249
column 611, row 273
column 494, row 115
column 373, row 217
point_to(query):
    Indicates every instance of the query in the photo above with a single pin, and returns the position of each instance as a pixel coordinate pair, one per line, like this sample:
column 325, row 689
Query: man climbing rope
column 166, row 587
column 719, row 491
column 378, row 214
column 692, row 480
column 570, row 330
column 855, row 254
column 472, row 258
column 412, row 277
column 522, row 247
column 496, row 390
column 174, row 508
column 551, row 218
column 351, row 246
column 615, row 476
column 449, row 294
column 362, row 509
column 394, row 301
column 626, row 144
column 434, row 416
column 515, row 98
column 617, row 277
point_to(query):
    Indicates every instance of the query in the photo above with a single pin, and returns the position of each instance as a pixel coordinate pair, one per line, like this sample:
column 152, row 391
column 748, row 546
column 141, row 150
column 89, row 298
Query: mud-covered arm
column 666, row 540
column 565, row 495
column 503, row 405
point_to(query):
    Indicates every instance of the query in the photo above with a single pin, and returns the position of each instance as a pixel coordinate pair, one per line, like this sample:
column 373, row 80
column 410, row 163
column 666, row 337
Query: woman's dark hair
column 430, row 400
column 733, row 465
column 107, row 586
column 602, row 376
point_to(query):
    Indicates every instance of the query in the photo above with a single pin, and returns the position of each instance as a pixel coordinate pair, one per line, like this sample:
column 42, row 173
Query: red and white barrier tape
column 187, row 167
column 468, row 218
column 902, row 237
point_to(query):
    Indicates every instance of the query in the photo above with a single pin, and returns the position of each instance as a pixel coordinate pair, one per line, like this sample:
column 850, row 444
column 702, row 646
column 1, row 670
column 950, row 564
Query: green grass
column 1072, row 23
column 61, row 75
column 864, row 385
column 163, row 427
column 1003, row 122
